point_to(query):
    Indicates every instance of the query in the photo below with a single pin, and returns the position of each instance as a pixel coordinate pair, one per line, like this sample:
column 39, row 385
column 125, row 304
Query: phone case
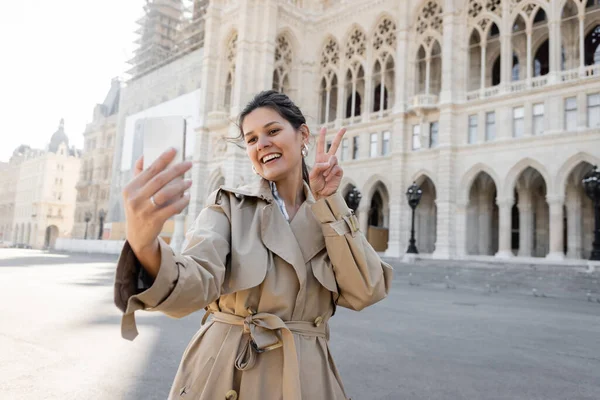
column 161, row 133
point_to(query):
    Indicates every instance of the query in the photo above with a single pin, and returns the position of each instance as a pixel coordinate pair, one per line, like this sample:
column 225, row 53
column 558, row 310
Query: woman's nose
column 263, row 142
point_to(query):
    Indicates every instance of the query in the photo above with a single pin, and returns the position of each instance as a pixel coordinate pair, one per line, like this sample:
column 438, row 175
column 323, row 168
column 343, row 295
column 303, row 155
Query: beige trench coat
column 270, row 288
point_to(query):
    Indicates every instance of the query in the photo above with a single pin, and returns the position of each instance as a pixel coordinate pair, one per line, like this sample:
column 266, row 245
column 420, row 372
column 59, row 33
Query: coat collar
column 262, row 190
column 296, row 242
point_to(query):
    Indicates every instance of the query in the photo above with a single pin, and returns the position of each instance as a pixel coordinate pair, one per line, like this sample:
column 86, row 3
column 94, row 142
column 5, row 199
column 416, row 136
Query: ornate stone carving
column 430, row 18
column 356, row 44
column 330, row 54
column 385, row 33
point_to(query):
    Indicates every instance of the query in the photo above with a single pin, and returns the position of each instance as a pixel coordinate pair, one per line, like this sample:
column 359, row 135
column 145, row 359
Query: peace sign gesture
column 326, row 174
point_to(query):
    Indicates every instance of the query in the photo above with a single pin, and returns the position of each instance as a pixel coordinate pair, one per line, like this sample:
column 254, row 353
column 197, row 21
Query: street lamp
column 591, row 184
column 87, row 218
column 353, row 198
column 413, row 194
column 101, row 216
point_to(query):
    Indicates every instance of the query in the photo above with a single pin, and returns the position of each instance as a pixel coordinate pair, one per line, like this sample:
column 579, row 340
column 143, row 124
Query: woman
column 269, row 262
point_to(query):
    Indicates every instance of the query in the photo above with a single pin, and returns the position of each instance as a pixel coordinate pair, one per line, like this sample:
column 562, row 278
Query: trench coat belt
column 261, row 329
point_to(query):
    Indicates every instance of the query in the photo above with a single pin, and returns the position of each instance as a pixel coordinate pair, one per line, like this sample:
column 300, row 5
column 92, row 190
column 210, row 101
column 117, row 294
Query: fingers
column 336, row 172
column 139, row 166
column 333, row 161
column 157, row 166
column 172, row 191
column 336, row 141
column 175, row 207
column 164, row 178
column 321, row 141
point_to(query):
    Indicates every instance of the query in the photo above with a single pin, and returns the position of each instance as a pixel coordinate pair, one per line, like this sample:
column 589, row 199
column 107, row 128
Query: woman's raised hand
column 326, row 174
column 150, row 199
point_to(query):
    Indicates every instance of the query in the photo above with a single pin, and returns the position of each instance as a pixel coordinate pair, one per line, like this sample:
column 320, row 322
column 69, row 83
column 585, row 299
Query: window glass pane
column 518, row 121
column 490, row 126
column 355, row 147
column 571, row 103
column 328, row 145
column 344, row 149
column 593, row 99
column 416, row 137
column 472, row 128
column 385, row 144
column 570, row 120
column 433, row 134
column 518, row 112
column 373, row 145
column 538, row 109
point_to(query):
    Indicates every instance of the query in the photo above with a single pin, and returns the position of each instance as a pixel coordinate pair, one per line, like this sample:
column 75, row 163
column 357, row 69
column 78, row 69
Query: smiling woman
column 269, row 262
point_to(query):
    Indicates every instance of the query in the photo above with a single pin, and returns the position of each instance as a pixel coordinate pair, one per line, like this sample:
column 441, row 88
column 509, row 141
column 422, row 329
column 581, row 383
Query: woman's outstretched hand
column 326, row 174
column 152, row 197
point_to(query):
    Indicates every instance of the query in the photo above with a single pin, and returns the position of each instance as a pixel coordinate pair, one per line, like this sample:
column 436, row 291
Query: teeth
column 270, row 157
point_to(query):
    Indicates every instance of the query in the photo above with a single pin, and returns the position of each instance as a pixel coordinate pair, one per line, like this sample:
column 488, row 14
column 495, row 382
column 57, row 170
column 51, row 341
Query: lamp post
column 413, row 194
column 101, row 216
column 353, row 199
column 87, row 218
column 591, row 184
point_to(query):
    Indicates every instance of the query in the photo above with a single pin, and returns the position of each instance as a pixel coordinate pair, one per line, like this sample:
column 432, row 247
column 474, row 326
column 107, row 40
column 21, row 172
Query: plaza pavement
column 448, row 330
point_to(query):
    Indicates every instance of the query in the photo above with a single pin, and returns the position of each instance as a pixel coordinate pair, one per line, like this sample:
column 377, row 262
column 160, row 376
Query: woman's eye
column 251, row 140
column 274, row 131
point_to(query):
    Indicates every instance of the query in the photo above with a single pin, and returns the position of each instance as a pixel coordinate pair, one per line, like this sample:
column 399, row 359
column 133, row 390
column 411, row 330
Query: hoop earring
column 254, row 170
column 304, row 150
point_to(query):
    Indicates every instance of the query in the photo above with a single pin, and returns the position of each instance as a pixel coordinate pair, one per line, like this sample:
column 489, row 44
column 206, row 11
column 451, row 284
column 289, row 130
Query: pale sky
column 58, row 58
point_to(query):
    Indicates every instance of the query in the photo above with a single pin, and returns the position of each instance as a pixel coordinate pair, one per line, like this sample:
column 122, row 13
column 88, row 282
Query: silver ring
column 153, row 202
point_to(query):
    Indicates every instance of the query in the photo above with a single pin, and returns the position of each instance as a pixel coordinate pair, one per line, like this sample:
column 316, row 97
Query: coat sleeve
column 362, row 277
column 186, row 282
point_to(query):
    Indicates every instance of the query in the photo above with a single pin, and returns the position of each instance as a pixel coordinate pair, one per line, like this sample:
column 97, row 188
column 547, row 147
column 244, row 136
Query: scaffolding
column 168, row 30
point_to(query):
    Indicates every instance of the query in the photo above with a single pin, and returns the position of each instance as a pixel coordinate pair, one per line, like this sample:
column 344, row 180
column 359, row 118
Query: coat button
column 250, row 311
column 231, row 395
column 318, row 320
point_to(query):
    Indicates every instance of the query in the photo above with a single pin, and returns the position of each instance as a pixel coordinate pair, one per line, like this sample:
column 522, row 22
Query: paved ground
column 59, row 335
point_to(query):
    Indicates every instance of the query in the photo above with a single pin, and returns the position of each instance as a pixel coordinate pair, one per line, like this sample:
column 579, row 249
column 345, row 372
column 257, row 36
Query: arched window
column 541, row 63
column 591, row 46
column 330, row 57
column 515, row 68
column 283, row 65
column 230, row 68
column 384, row 44
column 355, row 85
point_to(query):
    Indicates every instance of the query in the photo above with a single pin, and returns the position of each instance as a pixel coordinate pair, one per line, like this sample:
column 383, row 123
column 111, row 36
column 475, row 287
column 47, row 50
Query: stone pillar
column 529, row 57
column 526, row 228
column 397, row 189
column 485, row 225
column 505, row 59
column 363, row 216
column 462, row 230
column 504, row 227
column 555, row 49
column 581, row 44
column 556, row 227
column 574, row 206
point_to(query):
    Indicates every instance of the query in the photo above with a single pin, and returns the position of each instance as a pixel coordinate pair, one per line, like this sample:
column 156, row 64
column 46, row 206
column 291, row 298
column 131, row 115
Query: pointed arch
column 515, row 172
column 568, row 166
column 468, row 177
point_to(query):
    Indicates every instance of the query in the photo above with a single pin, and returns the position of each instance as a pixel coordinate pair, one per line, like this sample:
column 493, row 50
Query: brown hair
column 281, row 104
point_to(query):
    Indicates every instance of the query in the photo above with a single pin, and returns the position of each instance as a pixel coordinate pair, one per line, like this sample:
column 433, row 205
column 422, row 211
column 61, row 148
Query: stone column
column 581, row 44
column 555, row 49
column 556, row 227
column 461, row 229
column 485, row 225
column 574, row 206
column 363, row 216
column 397, row 197
column 526, row 228
column 529, row 57
column 504, row 227
column 505, row 59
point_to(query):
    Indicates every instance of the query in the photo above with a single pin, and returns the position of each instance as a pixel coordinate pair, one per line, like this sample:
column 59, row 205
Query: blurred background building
column 491, row 106
column 39, row 193
column 93, row 186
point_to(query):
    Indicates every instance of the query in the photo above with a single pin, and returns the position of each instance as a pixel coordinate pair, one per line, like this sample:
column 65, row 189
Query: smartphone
column 161, row 133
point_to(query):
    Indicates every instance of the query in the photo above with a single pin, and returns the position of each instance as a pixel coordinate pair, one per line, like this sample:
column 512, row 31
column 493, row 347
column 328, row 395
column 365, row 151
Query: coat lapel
column 278, row 237
column 308, row 232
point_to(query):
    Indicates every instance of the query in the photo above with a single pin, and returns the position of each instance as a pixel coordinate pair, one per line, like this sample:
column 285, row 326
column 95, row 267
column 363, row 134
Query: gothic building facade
column 491, row 106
